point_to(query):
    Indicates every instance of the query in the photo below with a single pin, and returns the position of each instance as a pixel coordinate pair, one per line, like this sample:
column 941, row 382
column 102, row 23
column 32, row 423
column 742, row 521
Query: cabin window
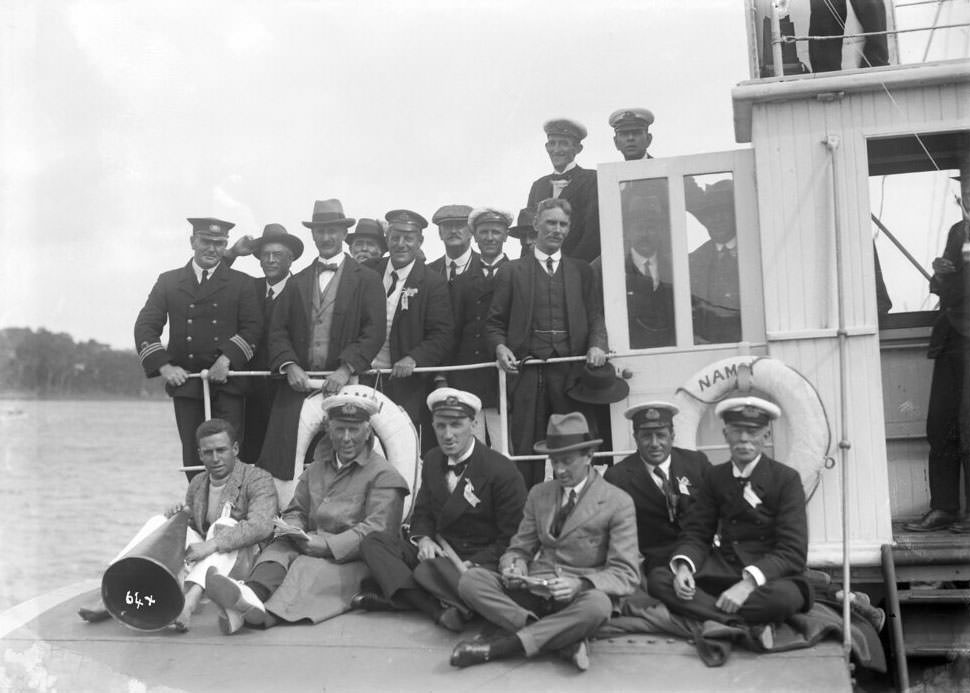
column 647, row 263
column 712, row 245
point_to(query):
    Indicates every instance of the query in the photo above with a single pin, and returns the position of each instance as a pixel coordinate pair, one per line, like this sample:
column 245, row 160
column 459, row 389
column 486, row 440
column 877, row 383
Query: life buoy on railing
column 803, row 413
column 397, row 438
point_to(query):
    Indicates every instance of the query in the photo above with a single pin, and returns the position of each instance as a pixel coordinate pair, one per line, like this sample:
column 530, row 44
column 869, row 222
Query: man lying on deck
column 232, row 503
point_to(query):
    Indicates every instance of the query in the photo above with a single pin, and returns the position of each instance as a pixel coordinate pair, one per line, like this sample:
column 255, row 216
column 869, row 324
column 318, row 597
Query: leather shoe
column 961, row 527
column 451, row 619
column 235, row 599
column 468, row 653
column 370, row 601
column 578, row 654
column 932, row 521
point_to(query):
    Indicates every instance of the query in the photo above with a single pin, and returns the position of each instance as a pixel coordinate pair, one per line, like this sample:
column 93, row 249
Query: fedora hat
column 276, row 233
column 368, row 228
column 523, row 225
column 329, row 213
column 566, row 432
column 599, row 385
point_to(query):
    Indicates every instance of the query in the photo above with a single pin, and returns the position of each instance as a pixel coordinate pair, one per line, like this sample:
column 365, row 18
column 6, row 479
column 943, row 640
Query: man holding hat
column 214, row 321
column 367, row 242
column 663, row 480
column 575, row 552
column 757, row 505
column 330, row 318
column 312, row 568
column 570, row 182
column 467, row 509
column 631, row 128
column 416, row 321
column 471, row 297
column 456, row 234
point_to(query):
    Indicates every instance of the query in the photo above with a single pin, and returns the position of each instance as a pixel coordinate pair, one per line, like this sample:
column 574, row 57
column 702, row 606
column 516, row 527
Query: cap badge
column 750, row 412
column 452, row 401
column 349, row 410
column 652, row 415
column 215, row 228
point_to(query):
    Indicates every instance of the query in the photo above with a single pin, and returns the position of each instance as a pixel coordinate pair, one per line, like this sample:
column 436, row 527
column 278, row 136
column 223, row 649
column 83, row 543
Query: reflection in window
column 646, row 247
column 714, row 281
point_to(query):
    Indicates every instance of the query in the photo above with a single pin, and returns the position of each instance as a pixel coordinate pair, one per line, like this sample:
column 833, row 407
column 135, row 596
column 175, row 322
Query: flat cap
column 210, row 227
column 405, row 220
column 566, row 127
column 348, row 407
column 451, row 213
column 751, row 412
column 483, row 214
column 655, row 414
column 448, row 401
column 631, row 119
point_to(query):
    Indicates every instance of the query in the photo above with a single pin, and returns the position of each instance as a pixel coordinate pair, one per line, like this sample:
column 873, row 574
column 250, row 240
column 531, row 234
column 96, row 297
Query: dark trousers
column 190, row 412
column 259, row 404
column 774, row 602
column 948, row 426
column 828, row 19
column 266, row 578
column 535, row 393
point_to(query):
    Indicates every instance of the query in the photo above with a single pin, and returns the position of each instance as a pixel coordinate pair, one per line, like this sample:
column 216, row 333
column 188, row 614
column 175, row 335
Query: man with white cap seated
column 468, row 508
column 757, row 504
column 313, row 567
column 663, row 480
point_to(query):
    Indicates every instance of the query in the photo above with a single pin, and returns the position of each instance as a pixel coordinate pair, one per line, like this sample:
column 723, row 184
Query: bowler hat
column 368, row 228
column 567, row 432
column 210, row 227
column 329, row 213
column 276, row 233
column 523, row 225
column 599, row 385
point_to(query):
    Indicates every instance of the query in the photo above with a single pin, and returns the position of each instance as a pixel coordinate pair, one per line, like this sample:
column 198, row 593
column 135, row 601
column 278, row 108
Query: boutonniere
column 684, row 485
column 469, row 494
column 406, row 295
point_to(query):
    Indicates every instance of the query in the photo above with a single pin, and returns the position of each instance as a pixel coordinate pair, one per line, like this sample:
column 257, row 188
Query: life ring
column 809, row 440
column 396, row 436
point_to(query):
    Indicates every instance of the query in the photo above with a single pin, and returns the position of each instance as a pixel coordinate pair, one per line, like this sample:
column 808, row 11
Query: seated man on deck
column 663, row 480
column 313, row 567
column 232, row 503
column 468, row 508
column 757, row 504
column 575, row 552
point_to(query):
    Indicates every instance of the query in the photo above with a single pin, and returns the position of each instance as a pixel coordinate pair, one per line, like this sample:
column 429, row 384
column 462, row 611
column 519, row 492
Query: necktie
column 452, row 271
column 489, row 270
column 329, row 266
column 270, row 294
column 550, row 266
column 205, row 275
column 668, row 494
column 563, row 513
column 390, row 289
column 457, row 468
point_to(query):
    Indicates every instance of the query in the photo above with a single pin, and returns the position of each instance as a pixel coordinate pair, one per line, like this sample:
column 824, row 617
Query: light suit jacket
column 251, row 493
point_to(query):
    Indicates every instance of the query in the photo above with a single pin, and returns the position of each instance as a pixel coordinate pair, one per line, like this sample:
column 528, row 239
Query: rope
column 794, row 39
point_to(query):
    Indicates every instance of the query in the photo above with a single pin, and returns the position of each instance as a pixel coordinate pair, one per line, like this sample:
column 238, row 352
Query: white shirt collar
column 748, row 469
column 278, row 286
column 541, row 256
column 730, row 245
column 460, row 262
column 569, row 167
column 500, row 258
column 402, row 273
column 578, row 488
column 463, row 456
column 337, row 260
column 642, row 262
column 198, row 270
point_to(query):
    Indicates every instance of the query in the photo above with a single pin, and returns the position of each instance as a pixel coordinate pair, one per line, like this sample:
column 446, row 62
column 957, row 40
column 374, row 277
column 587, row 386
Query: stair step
column 935, row 629
column 935, row 596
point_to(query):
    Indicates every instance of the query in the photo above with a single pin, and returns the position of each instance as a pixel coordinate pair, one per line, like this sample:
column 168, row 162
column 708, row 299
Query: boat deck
column 44, row 641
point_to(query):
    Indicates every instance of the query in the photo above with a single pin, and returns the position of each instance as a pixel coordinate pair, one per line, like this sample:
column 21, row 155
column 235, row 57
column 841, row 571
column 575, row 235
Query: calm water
column 77, row 478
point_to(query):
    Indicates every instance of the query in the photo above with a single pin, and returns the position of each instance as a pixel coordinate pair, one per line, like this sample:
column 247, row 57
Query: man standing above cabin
column 367, row 242
column 276, row 250
column 714, row 280
column 467, row 509
column 214, row 322
column 757, row 506
column 948, row 415
column 472, row 298
column 544, row 306
column 455, row 233
column 575, row 552
column 571, row 183
column 418, row 322
column 663, row 480
column 631, row 128
column 330, row 318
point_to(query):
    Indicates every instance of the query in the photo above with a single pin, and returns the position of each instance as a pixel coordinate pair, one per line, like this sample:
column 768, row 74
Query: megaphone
column 141, row 589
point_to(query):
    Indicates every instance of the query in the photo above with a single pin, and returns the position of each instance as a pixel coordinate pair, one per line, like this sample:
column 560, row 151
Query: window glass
column 647, row 265
column 713, row 258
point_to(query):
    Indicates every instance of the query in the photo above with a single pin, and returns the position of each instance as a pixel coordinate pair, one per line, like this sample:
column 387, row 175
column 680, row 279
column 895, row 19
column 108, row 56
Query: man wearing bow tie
column 468, row 507
column 330, row 318
column 573, row 183
column 754, row 576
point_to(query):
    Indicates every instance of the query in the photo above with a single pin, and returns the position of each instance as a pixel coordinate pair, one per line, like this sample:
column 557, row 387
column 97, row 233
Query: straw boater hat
column 328, row 213
column 210, row 227
column 276, row 233
column 368, row 228
column 566, row 432
column 599, row 385
column 750, row 412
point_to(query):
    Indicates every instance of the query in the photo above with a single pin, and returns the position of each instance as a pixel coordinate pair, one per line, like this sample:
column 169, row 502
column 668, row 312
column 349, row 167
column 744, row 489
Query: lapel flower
column 683, row 485
column 406, row 294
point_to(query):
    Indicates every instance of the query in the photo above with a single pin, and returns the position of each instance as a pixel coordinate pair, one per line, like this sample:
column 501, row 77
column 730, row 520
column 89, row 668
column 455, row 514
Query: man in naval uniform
column 330, row 318
column 631, row 132
column 214, row 321
column 467, row 509
column 662, row 480
column 367, row 242
column 572, row 183
column 454, row 232
column 757, row 505
column 544, row 306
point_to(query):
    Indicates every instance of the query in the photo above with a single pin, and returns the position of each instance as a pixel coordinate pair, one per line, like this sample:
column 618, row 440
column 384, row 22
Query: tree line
column 45, row 363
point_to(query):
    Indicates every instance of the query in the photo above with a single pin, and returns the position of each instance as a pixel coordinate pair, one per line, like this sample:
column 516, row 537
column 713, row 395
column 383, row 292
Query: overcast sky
column 120, row 119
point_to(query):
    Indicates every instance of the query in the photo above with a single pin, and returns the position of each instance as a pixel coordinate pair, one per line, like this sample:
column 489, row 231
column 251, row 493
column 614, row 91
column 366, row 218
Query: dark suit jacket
column 356, row 336
column 650, row 310
column 657, row 534
column 440, row 265
column 510, row 316
column 222, row 317
column 598, row 541
column 481, row 533
column 772, row 537
column 583, row 241
column 717, row 318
